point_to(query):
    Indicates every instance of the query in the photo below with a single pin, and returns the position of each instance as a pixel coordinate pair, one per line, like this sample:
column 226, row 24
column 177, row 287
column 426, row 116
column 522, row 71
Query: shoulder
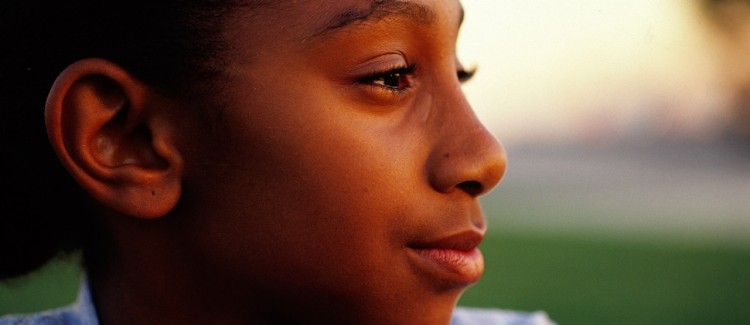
column 481, row 316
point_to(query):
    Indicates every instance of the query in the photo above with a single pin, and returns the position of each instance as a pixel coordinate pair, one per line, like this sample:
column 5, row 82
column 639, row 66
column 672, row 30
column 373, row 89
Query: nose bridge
column 466, row 156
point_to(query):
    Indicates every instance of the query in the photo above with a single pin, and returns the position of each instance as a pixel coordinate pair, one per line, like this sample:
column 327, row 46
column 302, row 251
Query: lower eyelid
column 383, row 95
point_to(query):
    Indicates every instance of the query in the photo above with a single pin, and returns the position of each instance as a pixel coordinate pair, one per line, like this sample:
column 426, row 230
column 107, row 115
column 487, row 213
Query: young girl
column 245, row 162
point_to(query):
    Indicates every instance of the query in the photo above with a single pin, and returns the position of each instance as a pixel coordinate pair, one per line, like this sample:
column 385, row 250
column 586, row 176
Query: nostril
column 473, row 188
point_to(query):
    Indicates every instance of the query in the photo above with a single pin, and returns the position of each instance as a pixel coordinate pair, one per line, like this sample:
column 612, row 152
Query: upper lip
column 462, row 241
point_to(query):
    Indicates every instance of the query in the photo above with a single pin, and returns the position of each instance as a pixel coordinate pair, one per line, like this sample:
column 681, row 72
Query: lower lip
column 458, row 267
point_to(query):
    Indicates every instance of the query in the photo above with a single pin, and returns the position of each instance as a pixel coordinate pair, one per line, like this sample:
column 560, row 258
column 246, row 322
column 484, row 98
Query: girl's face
column 345, row 167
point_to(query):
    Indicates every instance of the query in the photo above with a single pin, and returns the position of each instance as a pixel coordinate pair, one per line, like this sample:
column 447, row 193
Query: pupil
column 392, row 80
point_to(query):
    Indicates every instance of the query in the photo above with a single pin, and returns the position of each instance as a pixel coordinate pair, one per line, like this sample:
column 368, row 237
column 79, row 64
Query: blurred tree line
column 730, row 20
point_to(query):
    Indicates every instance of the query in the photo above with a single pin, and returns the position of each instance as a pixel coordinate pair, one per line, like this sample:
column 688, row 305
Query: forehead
column 314, row 18
column 293, row 31
column 376, row 10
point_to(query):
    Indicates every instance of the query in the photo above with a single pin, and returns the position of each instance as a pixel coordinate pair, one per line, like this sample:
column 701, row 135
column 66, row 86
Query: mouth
column 453, row 260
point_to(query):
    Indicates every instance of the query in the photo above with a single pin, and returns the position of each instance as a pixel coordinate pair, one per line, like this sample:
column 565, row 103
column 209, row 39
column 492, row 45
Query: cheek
column 298, row 189
column 316, row 152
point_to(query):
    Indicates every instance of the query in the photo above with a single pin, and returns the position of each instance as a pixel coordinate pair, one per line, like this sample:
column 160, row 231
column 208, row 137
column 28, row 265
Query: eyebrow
column 378, row 10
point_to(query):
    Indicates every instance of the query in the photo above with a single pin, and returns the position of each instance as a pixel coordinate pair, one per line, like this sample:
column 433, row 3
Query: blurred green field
column 574, row 279
column 54, row 285
column 607, row 281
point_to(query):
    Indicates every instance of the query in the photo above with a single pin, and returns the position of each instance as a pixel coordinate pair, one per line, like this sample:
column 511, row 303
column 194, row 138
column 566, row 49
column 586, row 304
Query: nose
column 466, row 157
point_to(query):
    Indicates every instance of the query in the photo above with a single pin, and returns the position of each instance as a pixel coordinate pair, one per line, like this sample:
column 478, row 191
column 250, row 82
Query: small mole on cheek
column 447, row 155
column 153, row 193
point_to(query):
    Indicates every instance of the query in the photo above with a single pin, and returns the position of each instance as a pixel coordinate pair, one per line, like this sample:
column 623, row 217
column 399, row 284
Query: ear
column 111, row 132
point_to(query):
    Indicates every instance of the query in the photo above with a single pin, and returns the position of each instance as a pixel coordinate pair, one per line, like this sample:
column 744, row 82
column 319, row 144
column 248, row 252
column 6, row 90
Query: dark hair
column 167, row 44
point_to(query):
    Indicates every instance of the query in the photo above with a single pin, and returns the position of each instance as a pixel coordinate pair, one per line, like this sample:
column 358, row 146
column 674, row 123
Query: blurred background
column 627, row 127
column 627, row 195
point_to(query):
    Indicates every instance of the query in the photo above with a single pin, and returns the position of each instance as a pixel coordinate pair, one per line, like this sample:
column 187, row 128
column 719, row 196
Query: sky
column 576, row 70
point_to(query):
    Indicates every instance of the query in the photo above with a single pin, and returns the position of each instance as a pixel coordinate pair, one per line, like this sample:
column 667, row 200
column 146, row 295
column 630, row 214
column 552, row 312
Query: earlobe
column 109, row 131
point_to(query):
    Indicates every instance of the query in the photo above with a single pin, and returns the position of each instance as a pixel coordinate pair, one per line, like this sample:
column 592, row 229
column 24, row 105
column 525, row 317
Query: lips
column 453, row 260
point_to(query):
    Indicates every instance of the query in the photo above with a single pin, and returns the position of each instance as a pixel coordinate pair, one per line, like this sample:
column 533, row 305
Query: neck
column 151, row 277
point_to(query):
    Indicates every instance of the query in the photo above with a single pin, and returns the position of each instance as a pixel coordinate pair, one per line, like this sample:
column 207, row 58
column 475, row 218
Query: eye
column 394, row 79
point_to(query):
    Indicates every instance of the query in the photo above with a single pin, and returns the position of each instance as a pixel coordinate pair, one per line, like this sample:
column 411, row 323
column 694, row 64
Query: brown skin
column 308, row 198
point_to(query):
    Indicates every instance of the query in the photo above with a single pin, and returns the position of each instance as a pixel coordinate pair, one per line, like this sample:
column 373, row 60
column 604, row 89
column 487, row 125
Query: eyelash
column 402, row 74
column 380, row 79
column 465, row 75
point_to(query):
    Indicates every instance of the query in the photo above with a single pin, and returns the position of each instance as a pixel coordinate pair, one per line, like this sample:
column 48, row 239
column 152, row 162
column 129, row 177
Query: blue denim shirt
column 82, row 312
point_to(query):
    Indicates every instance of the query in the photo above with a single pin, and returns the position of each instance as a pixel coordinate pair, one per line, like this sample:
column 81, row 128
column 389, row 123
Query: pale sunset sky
column 555, row 70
